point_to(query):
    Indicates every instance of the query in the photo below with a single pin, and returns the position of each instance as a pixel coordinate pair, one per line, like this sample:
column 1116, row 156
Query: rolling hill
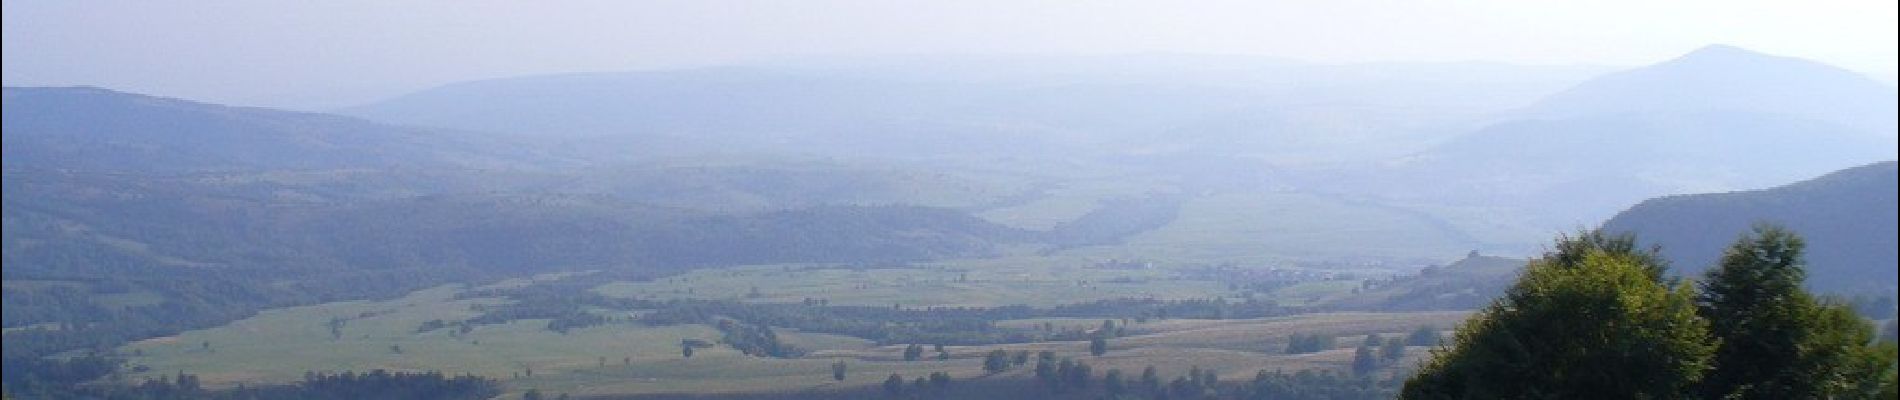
column 205, row 213
column 84, row 128
column 1466, row 284
column 1848, row 218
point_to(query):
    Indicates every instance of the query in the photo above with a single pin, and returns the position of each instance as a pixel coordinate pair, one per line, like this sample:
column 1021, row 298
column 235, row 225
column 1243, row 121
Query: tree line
column 373, row 385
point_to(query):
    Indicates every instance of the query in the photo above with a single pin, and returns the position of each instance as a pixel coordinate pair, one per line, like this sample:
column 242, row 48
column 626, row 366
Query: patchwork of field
column 628, row 358
column 625, row 357
column 1033, row 281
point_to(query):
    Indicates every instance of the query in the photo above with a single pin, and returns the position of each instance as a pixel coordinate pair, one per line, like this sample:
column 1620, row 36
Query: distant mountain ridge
column 1727, row 78
column 98, row 129
column 1010, row 106
column 1717, row 119
column 1848, row 218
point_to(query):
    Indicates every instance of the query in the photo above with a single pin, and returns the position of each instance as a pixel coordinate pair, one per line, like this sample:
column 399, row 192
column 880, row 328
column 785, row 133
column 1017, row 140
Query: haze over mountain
column 1727, row 78
column 1001, row 105
column 989, row 199
column 99, row 129
column 1717, row 119
column 1848, row 218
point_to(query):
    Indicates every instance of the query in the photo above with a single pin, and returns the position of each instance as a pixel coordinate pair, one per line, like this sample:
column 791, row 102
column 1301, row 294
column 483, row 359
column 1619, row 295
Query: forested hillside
column 1848, row 218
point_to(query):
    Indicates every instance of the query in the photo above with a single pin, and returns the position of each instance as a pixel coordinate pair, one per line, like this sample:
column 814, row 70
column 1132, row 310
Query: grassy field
column 627, row 358
column 624, row 358
column 1035, row 281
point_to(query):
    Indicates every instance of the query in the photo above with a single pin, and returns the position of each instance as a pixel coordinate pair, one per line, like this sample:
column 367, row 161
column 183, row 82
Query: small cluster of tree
column 1314, row 343
column 1376, row 352
column 754, row 340
column 562, row 303
column 1198, row 383
column 936, row 383
column 1062, row 376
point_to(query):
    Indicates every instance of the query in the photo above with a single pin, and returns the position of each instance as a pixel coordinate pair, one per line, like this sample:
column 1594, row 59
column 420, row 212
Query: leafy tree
column 1364, row 361
column 1021, row 357
column 1572, row 250
column 686, row 351
column 1777, row 341
column 940, row 380
column 1594, row 319
column 1112, row 381
column 1078, row 376
column 894, row 385
column 1098, row 346
column 996, row 361
column 943, row 355
column 913, row 352
column 837, row 370
column 1373, row 340
column 1150, row 380
column 1868, row 370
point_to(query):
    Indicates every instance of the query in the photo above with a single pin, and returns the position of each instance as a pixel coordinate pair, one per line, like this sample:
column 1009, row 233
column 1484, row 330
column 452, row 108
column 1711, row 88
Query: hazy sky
column 317, row 54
